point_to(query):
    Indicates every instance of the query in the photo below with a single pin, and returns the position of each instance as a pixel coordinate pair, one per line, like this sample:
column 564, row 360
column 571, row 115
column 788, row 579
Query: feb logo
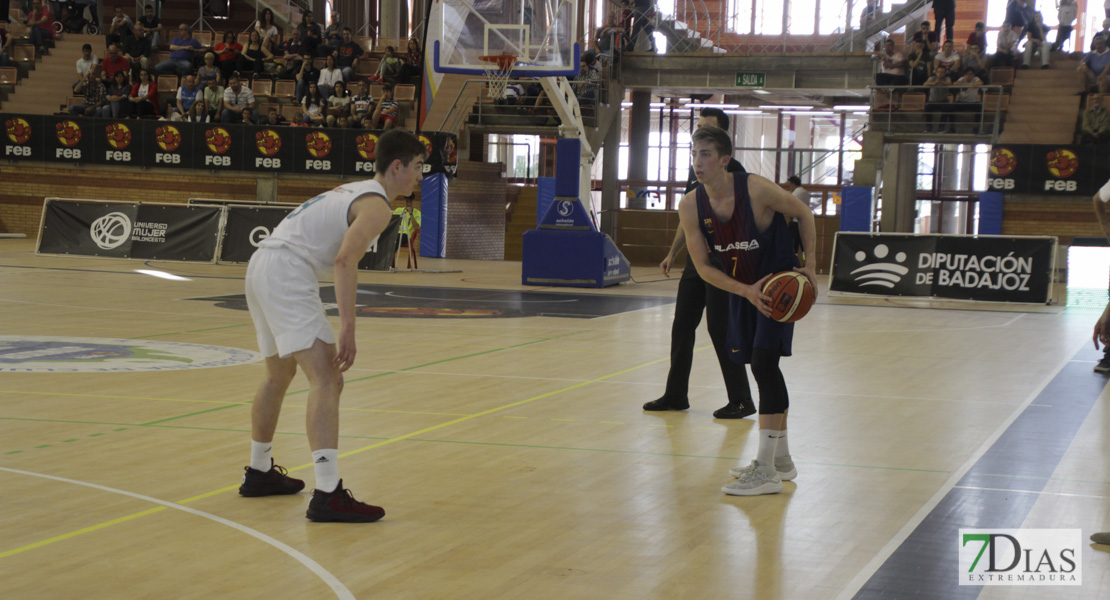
column 69, row 133
column 318, row 144
column 451, row 150
column 119, row 135
column 18, row 130
column 366, row 143
column 1062, row 163
column 218, row 140
column 268, row 142
column 168, row 138
column 427, row 144
column 1003, row 162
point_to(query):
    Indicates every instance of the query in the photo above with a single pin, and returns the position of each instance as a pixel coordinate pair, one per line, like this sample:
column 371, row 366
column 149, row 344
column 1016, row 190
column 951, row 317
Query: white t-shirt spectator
column 801, row 194
column 947, row 59
column 329, row 78
column 271, row 32
column 968, row 90
column 84, row 66
column 1068, row 12
column 244, row 98
column 893, row 59
column 1007, row 40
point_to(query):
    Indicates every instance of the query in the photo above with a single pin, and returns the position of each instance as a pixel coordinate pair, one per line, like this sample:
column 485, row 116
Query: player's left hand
column 345, row 355
column 811, row 274
column 1101, row 334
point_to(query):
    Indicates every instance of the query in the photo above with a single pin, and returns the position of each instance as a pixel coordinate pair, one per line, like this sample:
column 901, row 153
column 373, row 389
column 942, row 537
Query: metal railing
column 919, row 109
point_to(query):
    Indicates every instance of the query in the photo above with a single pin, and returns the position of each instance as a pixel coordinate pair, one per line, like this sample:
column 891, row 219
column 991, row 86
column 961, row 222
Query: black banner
column 1043, row 169
column 995, row 269
column 141, row 231
column 208, row 146
column 380, row 256
column 1009, row 168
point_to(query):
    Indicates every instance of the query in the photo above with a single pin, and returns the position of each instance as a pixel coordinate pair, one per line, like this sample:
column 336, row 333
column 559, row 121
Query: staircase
column 51, row 81
column 913, row 11
column 1044, row 105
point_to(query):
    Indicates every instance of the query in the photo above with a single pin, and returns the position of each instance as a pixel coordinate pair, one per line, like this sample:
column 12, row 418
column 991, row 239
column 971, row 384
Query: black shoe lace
column 348, row 499
column 280, row 470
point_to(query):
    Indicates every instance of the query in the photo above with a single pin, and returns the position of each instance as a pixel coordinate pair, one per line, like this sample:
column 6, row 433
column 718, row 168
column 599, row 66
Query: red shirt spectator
column 43, row 13
column 226, row 51
column 114, row 63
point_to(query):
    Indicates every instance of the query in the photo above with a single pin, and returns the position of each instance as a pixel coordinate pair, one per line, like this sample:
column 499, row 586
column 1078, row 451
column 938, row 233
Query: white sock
column 260, row 456
column 783, row 449
column 326, row 463
column 768, row 446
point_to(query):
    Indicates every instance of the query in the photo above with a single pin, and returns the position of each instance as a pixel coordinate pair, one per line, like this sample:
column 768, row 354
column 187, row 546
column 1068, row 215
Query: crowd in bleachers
column 314, row 76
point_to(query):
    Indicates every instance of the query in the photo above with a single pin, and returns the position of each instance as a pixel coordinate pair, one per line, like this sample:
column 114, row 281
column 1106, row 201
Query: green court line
column 14, row 452
column 43, row 446
column 95, row 434
column 69, row 441
column 120, row 429
column 199, row 412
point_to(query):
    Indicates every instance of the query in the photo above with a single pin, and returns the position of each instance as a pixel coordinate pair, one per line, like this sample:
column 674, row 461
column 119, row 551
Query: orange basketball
column 792, row 295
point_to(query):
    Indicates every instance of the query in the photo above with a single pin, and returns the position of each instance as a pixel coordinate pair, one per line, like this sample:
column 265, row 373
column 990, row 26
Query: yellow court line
column 399, row 438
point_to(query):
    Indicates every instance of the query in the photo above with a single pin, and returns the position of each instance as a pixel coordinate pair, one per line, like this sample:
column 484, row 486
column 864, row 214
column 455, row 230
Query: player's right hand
column 666, row 266
column 1101, row 333
column 754, row 294
column 345, row 355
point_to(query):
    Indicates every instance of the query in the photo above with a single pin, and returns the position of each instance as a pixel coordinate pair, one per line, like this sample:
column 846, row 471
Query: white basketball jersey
column 315, row 230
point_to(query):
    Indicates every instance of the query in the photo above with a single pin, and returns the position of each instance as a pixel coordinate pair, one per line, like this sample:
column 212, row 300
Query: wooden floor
column 511, row 455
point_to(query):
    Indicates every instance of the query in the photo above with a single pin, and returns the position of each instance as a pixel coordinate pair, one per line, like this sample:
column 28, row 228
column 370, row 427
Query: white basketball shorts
column 283, row 297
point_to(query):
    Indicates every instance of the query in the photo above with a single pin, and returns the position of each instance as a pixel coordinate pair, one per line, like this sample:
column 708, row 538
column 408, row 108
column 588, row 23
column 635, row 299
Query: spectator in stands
column 412, row 64
column 1096, row 124
column 611, row 37
column 938, row 97
column 138, row 49
column 626, row 18
column 1066, row 15
column 187, row 95
column 919, row 63
column 1096, row 68
column 87, row 63
column 1006, row 46
column 329, row 75
column 254, row 56
column 794, row 186
column 119, row 29
column 967, row 98
column 311, row 34
column 945, row 13
column 390, row 67
column 892, row 65
column 333, row 36
column 274, row 118
column 870, row 11
column 1028, row 15
column 227, row 54
column 114, row 63
column 974, row 61
column 947, row 58
column 293, row 51
column 588, row 80
column 313, row 105
column 1015, row 18
column 347, row 53
column 199, row 113
column 144, row 96
column 927, row 36
column 41, row 23
column 182, row 49
column 119, row 98
column 308, row 74
column 214, row 96
column 979, row 36
column 5, row 43
column 238, row 105
column 1105, row 33
column 152, row 25
column 339, row 103
column 362, row 103
column 643, row 28
column 1036, row 39
column 268, row 30
column 207, row 72
column 96, row 96
column 388, row 111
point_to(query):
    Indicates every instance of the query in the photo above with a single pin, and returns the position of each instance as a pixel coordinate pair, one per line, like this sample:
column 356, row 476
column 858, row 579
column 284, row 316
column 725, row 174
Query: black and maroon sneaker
column 274, row 482
column 340, row 506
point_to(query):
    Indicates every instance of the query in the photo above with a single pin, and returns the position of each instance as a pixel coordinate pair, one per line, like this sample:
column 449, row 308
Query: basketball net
column 498, row 67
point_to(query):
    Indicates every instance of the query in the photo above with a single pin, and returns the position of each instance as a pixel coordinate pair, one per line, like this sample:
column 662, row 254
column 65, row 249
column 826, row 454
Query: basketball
column 792, row 295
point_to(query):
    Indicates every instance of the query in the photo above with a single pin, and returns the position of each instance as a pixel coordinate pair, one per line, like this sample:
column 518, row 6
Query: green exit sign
column 751, row 80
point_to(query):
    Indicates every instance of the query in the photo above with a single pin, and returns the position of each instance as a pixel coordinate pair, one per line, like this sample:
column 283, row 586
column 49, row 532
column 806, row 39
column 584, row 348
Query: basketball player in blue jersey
column 331, row 231
column 737, row 237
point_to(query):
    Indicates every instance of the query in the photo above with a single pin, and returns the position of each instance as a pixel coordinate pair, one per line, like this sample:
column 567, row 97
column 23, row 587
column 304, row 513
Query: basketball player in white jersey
column 331, row 231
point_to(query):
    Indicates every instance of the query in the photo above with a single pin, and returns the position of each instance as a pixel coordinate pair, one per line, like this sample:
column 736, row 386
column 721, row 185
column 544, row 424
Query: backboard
column 539, row 32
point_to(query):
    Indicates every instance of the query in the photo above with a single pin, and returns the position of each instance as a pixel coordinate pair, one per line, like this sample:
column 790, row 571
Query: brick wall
column 1034, row 215
column 476, row 212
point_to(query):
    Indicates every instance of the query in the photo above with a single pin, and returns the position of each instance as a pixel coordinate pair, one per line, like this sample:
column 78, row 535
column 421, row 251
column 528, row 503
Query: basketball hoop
column 498, row 68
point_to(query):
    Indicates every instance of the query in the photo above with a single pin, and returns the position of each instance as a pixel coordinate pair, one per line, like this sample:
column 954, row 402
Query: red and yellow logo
column 366, row 143
column 218, row 140
column 69, row 133
column 18, row 130
column 1003, row 162
column 268, row 142
column 168, row 138
column 450, row 148
column 427, row 144
column 119, row 135
column 1062, row 163
column 318, row 144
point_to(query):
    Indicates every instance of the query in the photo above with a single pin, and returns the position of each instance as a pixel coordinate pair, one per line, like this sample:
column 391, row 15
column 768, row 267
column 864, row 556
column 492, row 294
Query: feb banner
column 984, row 268
column 145, row 231
column 73, row 140
column 1048, row 169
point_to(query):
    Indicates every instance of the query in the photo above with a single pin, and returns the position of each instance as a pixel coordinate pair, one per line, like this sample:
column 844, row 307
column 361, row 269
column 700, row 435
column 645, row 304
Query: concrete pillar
column 899, row 200
column 639, row 129
column 610, row 173
column 390, row 22
column 951, row 176
column 266, row 190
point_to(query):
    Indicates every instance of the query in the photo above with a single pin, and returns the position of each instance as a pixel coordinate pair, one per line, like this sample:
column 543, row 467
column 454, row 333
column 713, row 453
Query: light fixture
column 784, row 107
column 816, row 113
column 760, row 92
column 852, row 107
column 721, row 106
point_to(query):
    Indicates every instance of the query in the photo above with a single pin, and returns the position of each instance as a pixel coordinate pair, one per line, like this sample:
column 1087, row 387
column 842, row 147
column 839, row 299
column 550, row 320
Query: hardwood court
column 511, row 454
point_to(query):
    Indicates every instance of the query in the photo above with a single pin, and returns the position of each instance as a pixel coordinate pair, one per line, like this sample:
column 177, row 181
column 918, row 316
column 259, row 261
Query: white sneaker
column 760, row 480
column 784, row 468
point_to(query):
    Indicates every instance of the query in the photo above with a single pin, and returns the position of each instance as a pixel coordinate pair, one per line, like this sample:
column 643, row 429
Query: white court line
column 987, row 489
column 333, row 582
column 853, row 587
